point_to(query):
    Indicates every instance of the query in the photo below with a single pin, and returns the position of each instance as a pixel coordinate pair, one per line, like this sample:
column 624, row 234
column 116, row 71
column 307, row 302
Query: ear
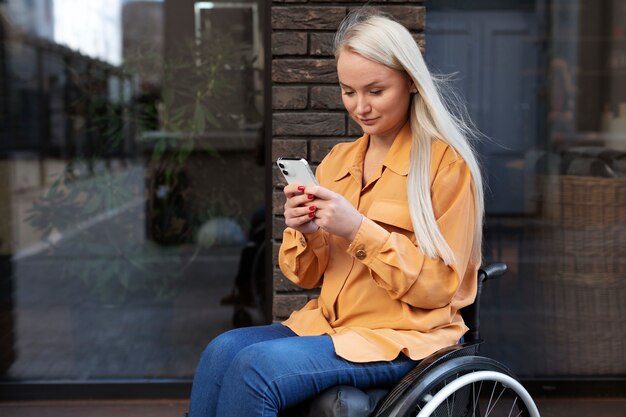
column 412, row 88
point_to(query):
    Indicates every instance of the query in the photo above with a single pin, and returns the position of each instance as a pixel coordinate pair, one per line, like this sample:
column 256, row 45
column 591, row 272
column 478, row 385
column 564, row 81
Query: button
column 303, row 242
column 360, row 254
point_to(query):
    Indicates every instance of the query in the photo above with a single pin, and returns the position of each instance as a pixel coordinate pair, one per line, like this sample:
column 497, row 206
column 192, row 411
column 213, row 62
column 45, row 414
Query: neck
column 385, row 140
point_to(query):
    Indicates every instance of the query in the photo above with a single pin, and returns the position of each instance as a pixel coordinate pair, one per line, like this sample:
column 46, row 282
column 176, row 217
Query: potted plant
column 120, row 260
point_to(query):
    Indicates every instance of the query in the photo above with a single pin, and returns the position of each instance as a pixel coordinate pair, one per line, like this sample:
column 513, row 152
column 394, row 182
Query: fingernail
column 311, row 208
column 311, row 214
column 310, row 196
column 300, row 188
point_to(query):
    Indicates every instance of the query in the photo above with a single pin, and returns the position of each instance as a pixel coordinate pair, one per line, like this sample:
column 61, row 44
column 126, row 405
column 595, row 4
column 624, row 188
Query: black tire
column 464, row 402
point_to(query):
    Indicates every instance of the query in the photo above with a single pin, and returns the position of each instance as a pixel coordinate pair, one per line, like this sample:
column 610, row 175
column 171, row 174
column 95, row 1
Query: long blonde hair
column 381, row 39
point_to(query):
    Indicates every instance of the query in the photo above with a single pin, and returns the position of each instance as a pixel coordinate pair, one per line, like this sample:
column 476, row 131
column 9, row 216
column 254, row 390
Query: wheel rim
column 479, row 393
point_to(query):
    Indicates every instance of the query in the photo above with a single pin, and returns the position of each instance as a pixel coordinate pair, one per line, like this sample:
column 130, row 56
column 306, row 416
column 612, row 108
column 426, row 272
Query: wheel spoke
column 453, row 402
column 453, row 384
column 419, row 408
column 450, row 410
column 473, row 399
column 496, row 401
column 445, row 382
column 476, row 397
column 513, row 406
column 490, row 398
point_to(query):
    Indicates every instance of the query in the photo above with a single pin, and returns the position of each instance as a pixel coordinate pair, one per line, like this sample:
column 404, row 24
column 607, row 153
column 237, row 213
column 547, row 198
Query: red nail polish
column 311, row 208
column 310, row 196
column 311, row 214
column 300, row 188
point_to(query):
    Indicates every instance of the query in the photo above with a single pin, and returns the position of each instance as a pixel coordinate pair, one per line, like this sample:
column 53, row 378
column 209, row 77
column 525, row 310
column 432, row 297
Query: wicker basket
column 575, row 202
column 582, row 274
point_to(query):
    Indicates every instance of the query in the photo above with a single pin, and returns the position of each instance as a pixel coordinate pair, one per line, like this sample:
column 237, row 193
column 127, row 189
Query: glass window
column 132, row 226
column 545, row 82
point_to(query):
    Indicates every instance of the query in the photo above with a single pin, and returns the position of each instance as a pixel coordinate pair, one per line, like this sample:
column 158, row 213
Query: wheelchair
column 452, row 382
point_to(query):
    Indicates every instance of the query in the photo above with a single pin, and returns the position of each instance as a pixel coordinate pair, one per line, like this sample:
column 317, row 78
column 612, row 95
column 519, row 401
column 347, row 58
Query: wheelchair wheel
column 468, row 386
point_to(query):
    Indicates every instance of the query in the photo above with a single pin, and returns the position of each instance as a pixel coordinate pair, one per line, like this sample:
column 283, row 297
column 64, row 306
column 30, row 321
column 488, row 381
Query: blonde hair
column 381, row 39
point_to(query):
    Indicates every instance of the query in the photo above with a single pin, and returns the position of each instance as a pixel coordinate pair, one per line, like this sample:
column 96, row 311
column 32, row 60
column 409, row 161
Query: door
column 495, row 60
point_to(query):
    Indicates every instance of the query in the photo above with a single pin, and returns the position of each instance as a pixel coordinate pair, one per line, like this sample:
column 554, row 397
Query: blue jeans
column 259, row 371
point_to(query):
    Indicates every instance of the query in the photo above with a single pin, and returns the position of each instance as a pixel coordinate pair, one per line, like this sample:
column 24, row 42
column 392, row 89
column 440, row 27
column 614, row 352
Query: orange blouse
column 380, row 295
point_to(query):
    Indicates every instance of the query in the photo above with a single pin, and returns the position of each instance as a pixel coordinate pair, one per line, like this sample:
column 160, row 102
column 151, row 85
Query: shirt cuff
column 369, row 240
column 314, row 240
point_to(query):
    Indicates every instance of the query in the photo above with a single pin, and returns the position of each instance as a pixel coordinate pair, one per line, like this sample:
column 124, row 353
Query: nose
column 362, row 106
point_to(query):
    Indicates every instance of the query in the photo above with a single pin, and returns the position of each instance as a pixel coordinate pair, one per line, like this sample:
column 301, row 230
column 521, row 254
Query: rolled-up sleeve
column 303, row 258
column 401, row 268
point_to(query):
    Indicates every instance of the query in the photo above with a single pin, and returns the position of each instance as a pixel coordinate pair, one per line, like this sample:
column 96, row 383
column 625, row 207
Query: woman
column 392, row 235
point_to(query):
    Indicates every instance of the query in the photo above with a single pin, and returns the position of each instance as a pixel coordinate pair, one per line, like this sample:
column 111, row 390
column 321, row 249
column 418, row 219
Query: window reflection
column 130, row 177
column 545, row 83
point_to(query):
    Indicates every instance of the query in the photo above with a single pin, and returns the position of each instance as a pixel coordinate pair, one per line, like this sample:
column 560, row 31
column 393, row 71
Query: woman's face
column 376, row 96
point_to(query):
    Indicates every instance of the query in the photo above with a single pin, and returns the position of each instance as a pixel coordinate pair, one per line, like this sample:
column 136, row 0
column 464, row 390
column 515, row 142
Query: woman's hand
column 333, row 213
column 299, row 209
column 311, row 208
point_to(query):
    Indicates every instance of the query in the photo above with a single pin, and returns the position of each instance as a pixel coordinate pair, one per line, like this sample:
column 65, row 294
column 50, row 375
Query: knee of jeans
column 243, row 363
column 221, row 348
column 247, row 384
column 255, row 367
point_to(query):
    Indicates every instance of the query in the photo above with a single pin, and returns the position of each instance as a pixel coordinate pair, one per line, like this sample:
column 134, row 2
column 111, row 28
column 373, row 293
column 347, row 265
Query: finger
column 291, row 190
column 301, row 211
column 298, row 221
column 300, row 200
column 317, row 191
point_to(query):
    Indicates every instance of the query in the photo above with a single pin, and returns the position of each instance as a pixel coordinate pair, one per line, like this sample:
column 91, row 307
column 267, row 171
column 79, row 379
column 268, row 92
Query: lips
column 368, row 121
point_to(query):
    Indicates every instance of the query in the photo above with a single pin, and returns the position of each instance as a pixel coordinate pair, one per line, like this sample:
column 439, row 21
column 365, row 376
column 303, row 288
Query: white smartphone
column 296, row 171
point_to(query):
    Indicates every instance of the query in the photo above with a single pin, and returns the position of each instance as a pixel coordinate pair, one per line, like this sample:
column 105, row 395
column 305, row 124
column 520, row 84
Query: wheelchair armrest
column 426, row 364
column 471, row 312
column 492, row 271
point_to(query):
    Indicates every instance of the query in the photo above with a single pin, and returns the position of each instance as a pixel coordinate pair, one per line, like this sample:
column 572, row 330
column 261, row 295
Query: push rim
column 505, row 397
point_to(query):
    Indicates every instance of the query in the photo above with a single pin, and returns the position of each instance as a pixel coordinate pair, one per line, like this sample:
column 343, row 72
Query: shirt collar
column 397, row 158
column 355, row 167
column 399, row 155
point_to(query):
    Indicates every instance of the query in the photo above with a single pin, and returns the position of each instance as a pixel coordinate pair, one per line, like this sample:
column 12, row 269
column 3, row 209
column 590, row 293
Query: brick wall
column 307, row 114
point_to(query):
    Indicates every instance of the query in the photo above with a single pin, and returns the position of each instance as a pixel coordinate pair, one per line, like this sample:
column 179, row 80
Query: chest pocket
column 392, row 215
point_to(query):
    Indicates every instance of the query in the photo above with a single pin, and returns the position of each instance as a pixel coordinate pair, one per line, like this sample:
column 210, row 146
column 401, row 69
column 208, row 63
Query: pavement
column 109, row 304
column 548, row 407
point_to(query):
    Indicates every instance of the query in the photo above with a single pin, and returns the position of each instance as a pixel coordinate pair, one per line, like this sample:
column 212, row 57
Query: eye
column 376, row 92
column 348, row 93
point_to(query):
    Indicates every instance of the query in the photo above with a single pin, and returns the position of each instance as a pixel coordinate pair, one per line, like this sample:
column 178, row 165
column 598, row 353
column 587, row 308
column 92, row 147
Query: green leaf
column 93, row 204
column 213, row 120
column 159, row 149
column 185, row 150
column 199, row 118
column 212, row 152
column 53, row 191
column 168, row 96
column 73, row 192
